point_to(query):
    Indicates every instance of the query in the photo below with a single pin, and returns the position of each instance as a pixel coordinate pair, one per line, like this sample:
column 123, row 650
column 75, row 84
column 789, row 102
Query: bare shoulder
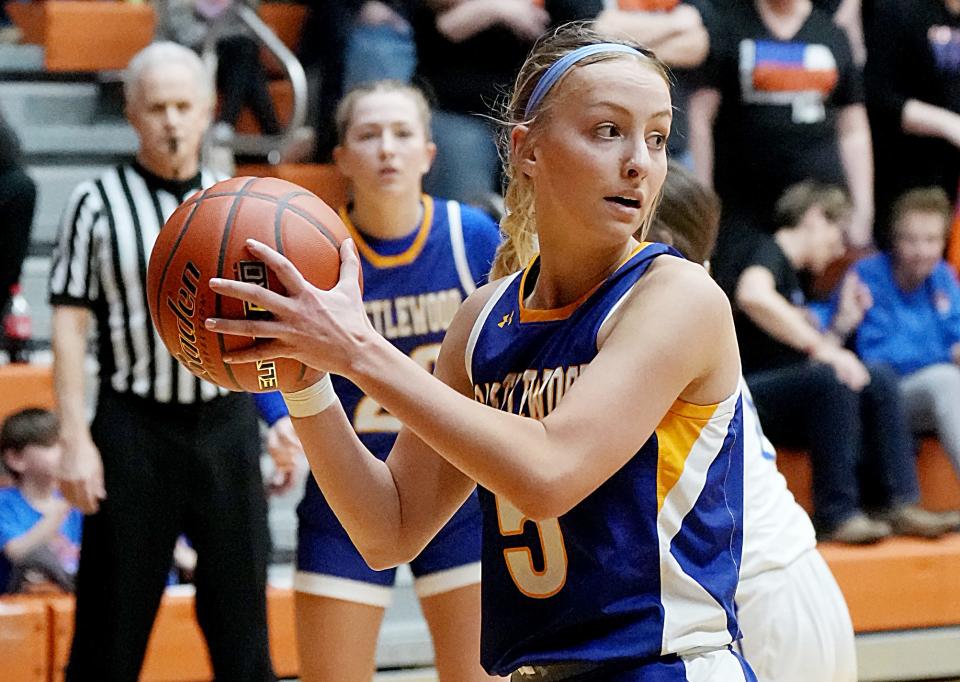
column 692, row 315
column 676, row 290
column 684, row 278
column 451, row 365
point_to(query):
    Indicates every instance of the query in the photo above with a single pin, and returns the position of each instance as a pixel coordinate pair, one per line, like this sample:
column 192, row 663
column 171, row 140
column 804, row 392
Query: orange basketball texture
column 206, row 237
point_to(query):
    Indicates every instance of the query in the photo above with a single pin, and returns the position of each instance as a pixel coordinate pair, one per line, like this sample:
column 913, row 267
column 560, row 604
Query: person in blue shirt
column 914, row 322
column 39, row 530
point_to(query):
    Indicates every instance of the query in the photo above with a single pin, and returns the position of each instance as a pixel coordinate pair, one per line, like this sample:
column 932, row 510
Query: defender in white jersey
column 795, row 623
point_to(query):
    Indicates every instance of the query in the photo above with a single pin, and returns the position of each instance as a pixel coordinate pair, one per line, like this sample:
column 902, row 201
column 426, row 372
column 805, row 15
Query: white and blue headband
column 564, row 64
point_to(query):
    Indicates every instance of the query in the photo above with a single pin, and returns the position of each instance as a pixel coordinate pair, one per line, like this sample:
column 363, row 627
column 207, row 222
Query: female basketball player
column 610, row 480
column 795, row 623
column 420, row 258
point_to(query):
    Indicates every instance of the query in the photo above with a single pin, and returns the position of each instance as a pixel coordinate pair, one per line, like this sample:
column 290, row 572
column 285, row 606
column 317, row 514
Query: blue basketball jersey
column 645, row 566
column 412, row 289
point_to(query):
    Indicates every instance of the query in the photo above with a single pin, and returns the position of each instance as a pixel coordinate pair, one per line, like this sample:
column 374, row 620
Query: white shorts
column 795, row 624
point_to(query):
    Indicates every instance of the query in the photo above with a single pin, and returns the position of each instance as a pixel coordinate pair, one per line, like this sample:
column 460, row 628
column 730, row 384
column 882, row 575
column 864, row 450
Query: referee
column 167, row 454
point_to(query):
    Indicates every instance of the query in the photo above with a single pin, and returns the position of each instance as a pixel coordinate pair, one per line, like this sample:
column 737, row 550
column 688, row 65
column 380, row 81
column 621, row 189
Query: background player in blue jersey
column 611, row 523
column 795, row 623
column 421, row 257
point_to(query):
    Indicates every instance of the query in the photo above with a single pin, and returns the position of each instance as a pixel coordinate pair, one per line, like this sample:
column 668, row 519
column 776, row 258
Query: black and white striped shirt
column 107, row 232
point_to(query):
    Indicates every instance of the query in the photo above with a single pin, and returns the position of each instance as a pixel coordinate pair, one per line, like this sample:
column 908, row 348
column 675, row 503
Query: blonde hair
column 344, row 113
column 519, row 223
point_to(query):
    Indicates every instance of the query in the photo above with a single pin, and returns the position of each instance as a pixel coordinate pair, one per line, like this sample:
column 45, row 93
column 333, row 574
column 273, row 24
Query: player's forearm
column 481, row 442
column 358, row 486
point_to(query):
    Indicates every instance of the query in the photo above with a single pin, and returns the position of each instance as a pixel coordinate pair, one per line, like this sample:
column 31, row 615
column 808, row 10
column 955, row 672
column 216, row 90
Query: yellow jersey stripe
column 405, row 258
column 676, row 436
column 562, row 313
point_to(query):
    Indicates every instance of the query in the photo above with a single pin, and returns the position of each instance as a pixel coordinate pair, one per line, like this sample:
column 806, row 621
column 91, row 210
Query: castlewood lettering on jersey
column 542, row 390
column 414, row 315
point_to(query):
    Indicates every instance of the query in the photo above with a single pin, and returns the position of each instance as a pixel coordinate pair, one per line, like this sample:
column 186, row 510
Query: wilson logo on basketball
column 184, row 308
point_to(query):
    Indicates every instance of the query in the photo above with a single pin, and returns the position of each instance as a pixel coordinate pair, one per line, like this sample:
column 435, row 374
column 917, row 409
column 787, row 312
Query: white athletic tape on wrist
column 311, row 400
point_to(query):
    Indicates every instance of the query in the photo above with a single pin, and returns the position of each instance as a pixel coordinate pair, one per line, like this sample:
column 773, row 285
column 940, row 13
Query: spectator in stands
column 812, row 392
column 675, row 31
column 167, row 453
column 912, row 78
column 914, row 323
column 18, row 196
column 380, row 43
column 469, row 52
column 781, row 102
column 39, row 530
column 241, row 76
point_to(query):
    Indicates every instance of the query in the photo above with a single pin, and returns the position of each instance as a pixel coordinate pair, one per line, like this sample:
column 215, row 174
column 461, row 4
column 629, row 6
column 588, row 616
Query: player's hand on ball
column 322, row 329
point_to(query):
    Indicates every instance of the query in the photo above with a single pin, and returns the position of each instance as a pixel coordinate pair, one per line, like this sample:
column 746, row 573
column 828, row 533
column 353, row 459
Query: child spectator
column 812, row 392
column 39, row 531
column 914, row 323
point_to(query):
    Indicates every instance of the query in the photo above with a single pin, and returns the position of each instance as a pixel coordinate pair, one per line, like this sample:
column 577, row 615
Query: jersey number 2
column 530, row 581
column 370, row 417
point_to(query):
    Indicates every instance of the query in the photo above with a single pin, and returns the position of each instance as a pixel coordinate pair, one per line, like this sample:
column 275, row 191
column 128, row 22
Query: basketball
column 206, row 237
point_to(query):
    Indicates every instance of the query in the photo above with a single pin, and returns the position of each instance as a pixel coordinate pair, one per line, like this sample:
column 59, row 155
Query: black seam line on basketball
column 173, row 253
column 295, row 209
column 224, row 240
column 282, row 204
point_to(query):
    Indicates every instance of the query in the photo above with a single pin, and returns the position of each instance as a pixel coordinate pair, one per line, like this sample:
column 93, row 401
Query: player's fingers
column 261, row 351
column 246, row 291
column 261, row 329
column 349, row 266
column 286, row 272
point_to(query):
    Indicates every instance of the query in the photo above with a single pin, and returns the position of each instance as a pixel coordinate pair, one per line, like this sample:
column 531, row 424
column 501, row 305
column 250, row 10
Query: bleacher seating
column 324, row 180
column 85, row 35
column 25, row 640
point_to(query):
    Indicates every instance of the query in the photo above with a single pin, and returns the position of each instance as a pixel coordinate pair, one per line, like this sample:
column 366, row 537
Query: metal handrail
column 291, row 65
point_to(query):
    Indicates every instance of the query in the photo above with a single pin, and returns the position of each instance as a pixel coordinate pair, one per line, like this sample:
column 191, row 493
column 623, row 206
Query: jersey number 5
column 530, row 581
column 370, row 417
